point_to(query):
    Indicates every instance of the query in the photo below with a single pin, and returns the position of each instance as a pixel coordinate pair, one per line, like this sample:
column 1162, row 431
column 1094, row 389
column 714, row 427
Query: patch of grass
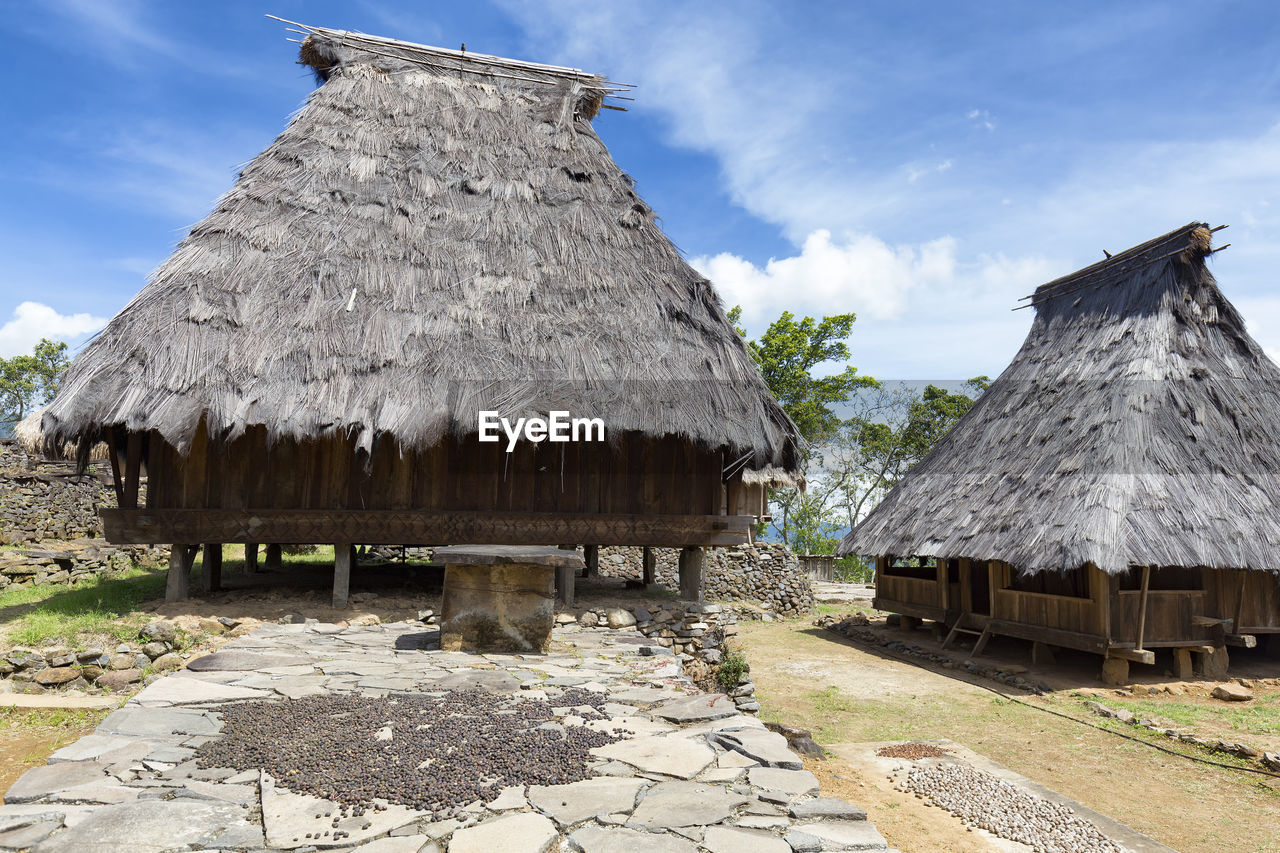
column 101, row 607
column 1259, row 717
column 50, row 718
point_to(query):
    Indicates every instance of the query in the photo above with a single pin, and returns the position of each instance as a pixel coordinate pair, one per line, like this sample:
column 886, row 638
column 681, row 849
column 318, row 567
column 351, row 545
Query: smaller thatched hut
column 1117, row 489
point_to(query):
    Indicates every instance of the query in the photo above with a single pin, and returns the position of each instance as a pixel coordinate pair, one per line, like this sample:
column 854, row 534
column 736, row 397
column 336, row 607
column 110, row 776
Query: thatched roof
column 433, row 234
column 29, row 435
column 1138, row 425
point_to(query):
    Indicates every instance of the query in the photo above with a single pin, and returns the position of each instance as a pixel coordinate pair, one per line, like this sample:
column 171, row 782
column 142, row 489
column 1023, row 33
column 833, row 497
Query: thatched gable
column 433, row 234
column 1138, row 425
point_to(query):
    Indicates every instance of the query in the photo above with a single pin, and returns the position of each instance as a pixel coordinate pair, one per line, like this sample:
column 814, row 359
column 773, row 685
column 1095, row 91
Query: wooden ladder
column 962, row 627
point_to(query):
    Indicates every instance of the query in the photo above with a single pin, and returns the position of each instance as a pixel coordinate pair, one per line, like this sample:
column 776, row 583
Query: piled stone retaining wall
column 49, row 514
column 763, row 573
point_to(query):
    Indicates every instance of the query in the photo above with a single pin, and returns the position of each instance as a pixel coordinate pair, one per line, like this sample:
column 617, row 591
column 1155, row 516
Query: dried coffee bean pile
column 429, row 753
column 982, row 800
column 912, row 751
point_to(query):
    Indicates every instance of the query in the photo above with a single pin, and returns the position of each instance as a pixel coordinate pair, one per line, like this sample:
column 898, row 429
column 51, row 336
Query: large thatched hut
column 435, row 234
column 1117, row 489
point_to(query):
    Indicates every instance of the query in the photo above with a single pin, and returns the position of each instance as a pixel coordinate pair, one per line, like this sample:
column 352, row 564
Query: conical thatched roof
column 1138, row 425
column 433, row 234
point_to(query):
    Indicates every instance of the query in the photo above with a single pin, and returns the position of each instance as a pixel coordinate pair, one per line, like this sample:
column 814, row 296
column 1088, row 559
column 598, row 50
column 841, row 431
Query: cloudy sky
column 922, row 164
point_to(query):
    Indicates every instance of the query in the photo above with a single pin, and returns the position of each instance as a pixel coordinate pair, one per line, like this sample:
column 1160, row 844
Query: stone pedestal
column 499, row 598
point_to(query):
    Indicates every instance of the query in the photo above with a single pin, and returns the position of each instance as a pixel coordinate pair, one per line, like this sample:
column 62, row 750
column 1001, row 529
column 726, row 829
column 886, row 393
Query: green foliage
column 787, row 355
column 853, row 569
column 103, row 606
column 28, row 381
column 732, row 667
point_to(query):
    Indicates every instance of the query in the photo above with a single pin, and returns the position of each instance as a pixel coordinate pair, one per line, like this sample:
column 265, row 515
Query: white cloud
column 859, row 273
column 33, row 321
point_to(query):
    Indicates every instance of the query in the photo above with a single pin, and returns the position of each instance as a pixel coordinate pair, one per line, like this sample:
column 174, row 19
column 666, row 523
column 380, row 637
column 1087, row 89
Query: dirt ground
column 27, row 737
column 843, row 692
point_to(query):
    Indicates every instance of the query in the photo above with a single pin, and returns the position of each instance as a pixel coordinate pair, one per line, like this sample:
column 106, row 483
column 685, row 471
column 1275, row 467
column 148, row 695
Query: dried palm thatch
column 30, row 437
column 434, row 233
column 1138, row 425
column 774, row 477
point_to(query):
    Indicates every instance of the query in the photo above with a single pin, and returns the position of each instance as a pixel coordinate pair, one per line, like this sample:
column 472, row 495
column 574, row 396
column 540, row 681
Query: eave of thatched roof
column 774, row 478
column 433, row 234
column 1138, row 425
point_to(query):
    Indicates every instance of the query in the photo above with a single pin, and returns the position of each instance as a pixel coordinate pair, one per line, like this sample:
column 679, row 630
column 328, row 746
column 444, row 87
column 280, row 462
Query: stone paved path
column 693, row 774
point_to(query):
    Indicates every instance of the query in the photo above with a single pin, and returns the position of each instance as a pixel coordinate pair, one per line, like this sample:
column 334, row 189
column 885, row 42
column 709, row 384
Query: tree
column 29, row 381
column 788, row 353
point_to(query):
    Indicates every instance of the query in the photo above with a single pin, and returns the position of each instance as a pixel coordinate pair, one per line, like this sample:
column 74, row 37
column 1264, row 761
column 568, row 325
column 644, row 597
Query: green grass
column 101, row 607
column 1259, row 717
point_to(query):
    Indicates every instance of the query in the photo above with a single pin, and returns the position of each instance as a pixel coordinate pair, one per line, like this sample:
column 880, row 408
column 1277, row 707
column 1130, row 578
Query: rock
column 155, row 650
column 642, row 614
column 57, row 675
column 578, row 801
column 241, row 661
column 766, row 747
column 91, row 672
column 40, row 782
column 89, row 655
column 561, row 618
column 158, row 722
column 826, row 808
column 844, row 835
column 187, row 691
column 291, row 619
column 28, row 836
column 153, row 826
column 166, row 662
column 286, row 815
column 121, row 661
column 697, row 708
column 793, row 782
column 597, row 839
column 803, row 842
column 1115, row 672
column 516, row 833
column 228, row 623
column 654, row 754
column 588, row 619
column 723, row 839
column 619, row 618
column 676, row 804
column 160, row 631
column 1225, row 692
column 119, row 679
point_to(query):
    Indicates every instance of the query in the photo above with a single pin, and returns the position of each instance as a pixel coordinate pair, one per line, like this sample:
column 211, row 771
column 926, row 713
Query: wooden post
column 943, row 598
column 1182, row 669
column 649, row 566
column 993, row 585
column 274, row 558
column 342, row 559
column 1142, row 606
column 591, row 554
column 565, row 577
column 966, row 585
column 1041, row 653
column 132, row 470
column 1236, row 627
column 211, row 576
column 178, row 582
column 691, row 560
column 250, row 558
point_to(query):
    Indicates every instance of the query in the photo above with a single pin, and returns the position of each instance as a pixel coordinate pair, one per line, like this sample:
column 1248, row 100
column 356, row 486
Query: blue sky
column 921, row 164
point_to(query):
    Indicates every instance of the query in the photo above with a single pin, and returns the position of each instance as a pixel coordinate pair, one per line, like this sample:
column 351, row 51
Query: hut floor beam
column 178, row 582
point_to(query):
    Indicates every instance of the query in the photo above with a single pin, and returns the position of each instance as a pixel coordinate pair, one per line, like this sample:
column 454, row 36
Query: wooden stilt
column 1041, row 653
column 178, row 582
column 591, row 554
column 1142, row 606
column 649, row 566
column 250, row 557
column 211, row 576
column 274, row 558
column 1182, row 669
column 565, row 578
column 691, row 561
column 342, row 559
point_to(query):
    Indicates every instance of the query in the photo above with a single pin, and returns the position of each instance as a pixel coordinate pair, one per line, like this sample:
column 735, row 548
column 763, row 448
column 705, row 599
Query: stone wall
column 763, row 573
column 50, row 514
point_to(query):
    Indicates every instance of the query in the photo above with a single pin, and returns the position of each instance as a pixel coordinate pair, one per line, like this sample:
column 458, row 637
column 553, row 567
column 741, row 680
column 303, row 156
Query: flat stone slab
column 90, row 747
column 188, row 691
column 40, row 782
column 826, row 808
column 797, row 783
column 766, row 747
column 151, row 826
column 844, row 835
column 502, row 555
column 577, row 801
column 696, row 708
column 57, row 700
column 158, row 722
column 399, row 844
column 598, row 839
column 234, row 660
column 667, row 756
column 288, row 818
column 674, row 804
column 723, row 839
column 517, row 833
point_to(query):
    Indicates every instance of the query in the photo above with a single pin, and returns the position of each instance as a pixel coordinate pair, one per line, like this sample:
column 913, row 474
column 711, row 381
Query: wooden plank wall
column 634, row 474
column 1067, row 613
column 1261, row 598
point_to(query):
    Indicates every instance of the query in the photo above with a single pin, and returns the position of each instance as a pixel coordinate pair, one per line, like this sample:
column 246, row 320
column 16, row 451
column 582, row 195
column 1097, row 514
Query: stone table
column 500, row 598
